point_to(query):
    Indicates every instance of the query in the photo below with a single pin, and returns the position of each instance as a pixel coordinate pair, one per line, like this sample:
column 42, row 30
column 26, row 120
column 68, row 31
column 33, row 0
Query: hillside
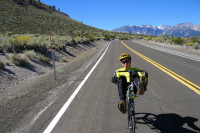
column 20, row 16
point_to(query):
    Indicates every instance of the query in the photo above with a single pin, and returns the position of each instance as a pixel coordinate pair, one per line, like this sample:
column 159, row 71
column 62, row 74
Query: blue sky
column 112, row 14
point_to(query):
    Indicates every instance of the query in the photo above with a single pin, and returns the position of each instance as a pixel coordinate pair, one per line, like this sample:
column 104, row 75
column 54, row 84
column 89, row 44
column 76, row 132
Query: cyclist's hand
column 114, row 79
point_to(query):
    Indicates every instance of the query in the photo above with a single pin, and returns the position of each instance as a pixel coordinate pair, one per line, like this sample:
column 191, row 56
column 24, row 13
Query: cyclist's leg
column 122, row 88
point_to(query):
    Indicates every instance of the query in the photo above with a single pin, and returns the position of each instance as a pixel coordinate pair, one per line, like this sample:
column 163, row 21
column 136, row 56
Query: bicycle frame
column 130, row 107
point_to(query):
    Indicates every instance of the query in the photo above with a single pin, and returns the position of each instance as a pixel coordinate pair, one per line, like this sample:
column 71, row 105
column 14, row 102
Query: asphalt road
column 170, row 105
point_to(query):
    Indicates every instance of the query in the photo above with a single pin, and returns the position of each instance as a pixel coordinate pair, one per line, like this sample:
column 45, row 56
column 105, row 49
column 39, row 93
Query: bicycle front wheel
column 132, row 122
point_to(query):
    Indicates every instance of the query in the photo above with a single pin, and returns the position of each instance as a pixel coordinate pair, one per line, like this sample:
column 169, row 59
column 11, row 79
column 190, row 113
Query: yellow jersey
column 118, row 73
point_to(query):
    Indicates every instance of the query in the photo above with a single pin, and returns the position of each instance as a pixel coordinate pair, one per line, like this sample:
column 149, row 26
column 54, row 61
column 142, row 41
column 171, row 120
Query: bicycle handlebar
column 132, row 74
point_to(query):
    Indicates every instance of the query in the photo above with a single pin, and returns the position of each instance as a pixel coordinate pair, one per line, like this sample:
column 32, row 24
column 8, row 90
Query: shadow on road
column 168, row 123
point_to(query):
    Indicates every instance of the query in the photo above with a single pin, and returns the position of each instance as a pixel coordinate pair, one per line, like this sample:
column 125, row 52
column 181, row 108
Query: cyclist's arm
column 114, row 79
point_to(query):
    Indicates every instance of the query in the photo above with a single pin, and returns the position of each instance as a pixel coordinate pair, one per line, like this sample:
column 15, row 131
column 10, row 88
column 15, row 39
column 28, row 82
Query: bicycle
column 133, row 90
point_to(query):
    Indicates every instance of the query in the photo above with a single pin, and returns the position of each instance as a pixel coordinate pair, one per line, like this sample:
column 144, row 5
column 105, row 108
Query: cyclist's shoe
column 122, row 107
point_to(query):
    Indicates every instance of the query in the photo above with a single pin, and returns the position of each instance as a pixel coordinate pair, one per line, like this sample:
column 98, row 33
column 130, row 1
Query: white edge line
column 66, row 105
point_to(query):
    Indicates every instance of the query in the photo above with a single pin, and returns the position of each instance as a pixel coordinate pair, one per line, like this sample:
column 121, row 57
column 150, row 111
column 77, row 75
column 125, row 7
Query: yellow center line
column 181, row 79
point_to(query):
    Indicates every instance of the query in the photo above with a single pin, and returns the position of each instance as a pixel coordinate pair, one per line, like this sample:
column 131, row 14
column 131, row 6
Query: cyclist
column 125, row 60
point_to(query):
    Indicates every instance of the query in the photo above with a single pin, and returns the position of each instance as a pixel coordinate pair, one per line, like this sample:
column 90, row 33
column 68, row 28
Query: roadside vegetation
column 2, row 65
column 193, row 42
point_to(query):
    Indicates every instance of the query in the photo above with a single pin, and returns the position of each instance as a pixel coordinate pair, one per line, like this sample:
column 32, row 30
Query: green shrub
column 30, row 54
column 107, row 37
column 190, row 44
column 155, row 39
column 196, row 46
column 63, row 59
column 61, row 47
column 123, row 37
column 18, row 43
column 7, row 63
column 2, row 65
column 43, row 58
column 90, row 37
column 55, row 47
column 18, row 60
column 148, row 38
column 178, row 40
column 194, row 39
column 22, row 39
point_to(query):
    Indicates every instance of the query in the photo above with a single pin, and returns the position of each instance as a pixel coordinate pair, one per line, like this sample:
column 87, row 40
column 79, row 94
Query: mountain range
column 180, row 30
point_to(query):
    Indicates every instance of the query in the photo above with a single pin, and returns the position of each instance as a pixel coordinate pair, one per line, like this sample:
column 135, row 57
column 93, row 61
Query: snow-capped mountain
column 141, row 29
column 184, row 30
column 180, row 30
column 164, row 27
